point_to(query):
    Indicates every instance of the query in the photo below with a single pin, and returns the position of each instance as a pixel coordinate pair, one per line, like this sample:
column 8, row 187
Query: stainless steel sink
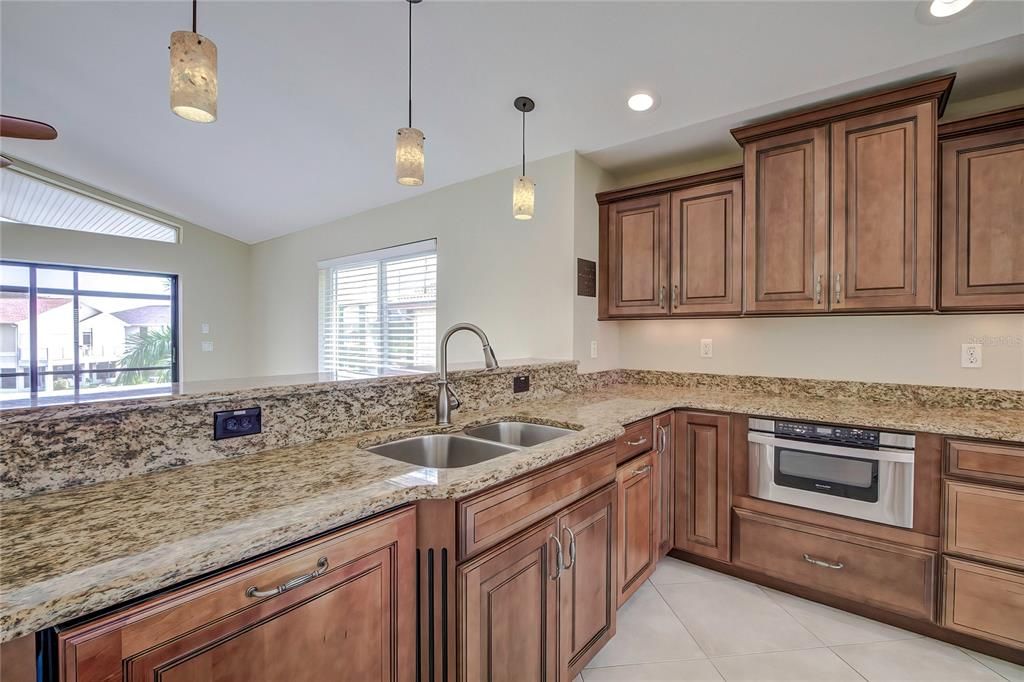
column 519, row 434
column 441, row 451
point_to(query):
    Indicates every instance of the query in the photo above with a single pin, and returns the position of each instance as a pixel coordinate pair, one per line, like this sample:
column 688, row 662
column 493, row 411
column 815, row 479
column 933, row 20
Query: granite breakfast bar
column 81, row 549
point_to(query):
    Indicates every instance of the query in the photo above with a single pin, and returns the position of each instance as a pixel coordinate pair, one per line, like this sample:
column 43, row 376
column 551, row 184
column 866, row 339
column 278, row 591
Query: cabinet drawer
column 892, row 577
column 984, row 601
column 499, row 513
column 638, row 439
column 995, row 462
column 985, row 523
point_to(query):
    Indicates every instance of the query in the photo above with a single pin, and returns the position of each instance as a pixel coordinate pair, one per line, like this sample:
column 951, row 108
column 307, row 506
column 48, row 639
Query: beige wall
column 212, row 274
column 511, row 277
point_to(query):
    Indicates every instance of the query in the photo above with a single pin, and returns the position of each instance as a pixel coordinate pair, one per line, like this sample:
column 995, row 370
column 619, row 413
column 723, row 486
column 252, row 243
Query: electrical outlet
column 204, row 328
column 970, row 355
column 234, row 423
column 521, row 383
column 706, row 348
column 207, row 346
column 593, row 349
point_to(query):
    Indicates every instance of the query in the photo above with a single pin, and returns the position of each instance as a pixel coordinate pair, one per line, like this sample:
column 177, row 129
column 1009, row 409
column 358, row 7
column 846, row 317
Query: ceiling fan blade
column 26, row 129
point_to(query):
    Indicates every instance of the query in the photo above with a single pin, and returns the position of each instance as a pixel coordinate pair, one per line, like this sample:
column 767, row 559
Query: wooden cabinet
column 664, row 439
column 672, row 248
column 983, row 212
column 874, row 249
column 893, row 577
column 984, row 601
column 351, row 616
column 786, row 222
column 992, row 462
column 702, row 484
column 587, row 585
column 637, row 256
column 883, row 210
column 508, row 610
column 639, row 512
column 985, row 523
column 707, row 247
column 638, row 439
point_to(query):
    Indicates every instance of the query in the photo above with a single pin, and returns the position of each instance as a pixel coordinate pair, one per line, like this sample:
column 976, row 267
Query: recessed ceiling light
column 641, row 101
column 947, row 8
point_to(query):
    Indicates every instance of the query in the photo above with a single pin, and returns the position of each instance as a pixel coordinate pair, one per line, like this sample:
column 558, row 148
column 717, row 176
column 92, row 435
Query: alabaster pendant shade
column 522, row 198
column 409, row 157
column 193, row 77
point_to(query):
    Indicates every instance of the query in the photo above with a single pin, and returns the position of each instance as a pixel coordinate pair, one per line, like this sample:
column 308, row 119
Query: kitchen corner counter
column 70, row 553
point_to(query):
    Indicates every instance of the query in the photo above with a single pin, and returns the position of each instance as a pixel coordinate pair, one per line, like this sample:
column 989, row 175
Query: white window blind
column 378, row 312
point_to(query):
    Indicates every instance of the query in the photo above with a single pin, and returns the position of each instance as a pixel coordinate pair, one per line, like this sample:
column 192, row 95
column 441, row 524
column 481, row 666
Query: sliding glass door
column 68, row 333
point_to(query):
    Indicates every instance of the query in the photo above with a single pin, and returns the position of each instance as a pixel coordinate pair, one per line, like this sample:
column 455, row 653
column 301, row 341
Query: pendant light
column 523, row 189
column 409, row 145
column 193, row 75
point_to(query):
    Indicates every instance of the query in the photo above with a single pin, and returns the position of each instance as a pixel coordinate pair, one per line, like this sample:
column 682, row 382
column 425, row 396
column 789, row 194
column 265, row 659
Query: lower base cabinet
column 984, row 601
column 338, row 608
column 639, row 515
column 537, row 607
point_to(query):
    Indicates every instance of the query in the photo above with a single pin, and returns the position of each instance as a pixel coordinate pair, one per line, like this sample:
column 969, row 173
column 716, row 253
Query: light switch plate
column 593, row 349
column 207, row 346
column 970, row 355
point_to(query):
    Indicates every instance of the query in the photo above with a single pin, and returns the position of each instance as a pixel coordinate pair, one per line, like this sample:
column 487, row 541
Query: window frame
column 379, row 257
column 33, row 291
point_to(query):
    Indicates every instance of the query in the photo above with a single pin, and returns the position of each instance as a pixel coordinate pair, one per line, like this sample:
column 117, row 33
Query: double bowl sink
column 475, row 444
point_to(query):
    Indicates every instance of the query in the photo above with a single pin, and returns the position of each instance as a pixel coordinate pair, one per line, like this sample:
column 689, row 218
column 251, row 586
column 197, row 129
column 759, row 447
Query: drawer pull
column 824, row 564
column 643, row 439
column 642, row 470
column 321, row 568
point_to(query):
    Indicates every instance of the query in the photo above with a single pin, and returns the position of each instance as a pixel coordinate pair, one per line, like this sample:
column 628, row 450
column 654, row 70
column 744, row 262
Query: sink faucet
column 446, row 398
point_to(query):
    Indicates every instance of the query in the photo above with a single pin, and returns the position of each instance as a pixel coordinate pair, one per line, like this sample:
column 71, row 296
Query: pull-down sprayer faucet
column 446, row 398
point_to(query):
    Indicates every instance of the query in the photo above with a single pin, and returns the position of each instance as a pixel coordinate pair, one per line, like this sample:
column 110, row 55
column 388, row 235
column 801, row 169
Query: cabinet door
column 353, row 619
column 786, row 201
column 664, row 438
column 508, row 601
column 883, row 210
column 639, row 538
column 586, row 588
column 982, row 219
column 707, row 249
column 702, row 491
column 638, row 256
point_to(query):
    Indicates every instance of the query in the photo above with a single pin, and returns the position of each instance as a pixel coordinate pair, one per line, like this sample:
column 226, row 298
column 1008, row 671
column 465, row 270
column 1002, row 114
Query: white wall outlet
column 204, row 328
column 706, row 348
column 593, row 349
column 970, row 355
column 207, row 346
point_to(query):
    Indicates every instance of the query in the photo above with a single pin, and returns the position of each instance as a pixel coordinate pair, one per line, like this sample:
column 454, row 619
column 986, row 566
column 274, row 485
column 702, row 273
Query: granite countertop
column 69, row 553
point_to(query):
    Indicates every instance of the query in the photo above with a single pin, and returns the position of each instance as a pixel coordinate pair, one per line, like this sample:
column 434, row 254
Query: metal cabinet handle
column 839, row 286
column 558, row 558
column 572, row 548
column 642, row 440
column 824, row 564
column 321, row 568
column 675, row 295
column 642, row 470
column 817, row 290
column 662, row 439
column 661, row 298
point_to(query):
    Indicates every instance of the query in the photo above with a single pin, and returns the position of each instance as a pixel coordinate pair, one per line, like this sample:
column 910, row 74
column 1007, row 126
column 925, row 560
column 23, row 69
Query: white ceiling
column 311, row 92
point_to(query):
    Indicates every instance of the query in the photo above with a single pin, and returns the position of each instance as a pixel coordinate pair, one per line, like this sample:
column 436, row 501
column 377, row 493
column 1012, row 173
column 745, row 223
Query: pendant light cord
column 410, row 65
column 194, row 2
column 524, row 143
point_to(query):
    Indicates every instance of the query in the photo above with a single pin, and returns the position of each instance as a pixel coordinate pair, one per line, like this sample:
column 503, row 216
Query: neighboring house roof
column 145, row 316
column 16, row 309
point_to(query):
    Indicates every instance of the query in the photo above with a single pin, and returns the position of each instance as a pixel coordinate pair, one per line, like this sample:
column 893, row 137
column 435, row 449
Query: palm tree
column 146, row 349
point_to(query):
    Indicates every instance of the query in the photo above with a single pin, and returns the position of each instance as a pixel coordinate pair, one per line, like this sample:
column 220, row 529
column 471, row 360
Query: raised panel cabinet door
column 786, row 202
column 702, row 484
column 638, row 537
column 707, row 249
column 983, row 221
column 352, row 619
column 638, row 256
column 664, row 439
column 586, row 587
column 883, row 210
column 508, row 603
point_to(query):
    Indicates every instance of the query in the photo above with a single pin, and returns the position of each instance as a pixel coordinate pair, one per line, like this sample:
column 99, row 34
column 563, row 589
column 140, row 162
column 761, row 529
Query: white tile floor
column 689, row 623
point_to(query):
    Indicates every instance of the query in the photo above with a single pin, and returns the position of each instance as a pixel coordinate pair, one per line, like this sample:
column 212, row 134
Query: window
column 378, row 312
column 72, row 332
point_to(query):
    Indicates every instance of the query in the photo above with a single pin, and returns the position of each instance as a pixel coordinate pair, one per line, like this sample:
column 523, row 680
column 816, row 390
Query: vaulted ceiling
column 311, row 92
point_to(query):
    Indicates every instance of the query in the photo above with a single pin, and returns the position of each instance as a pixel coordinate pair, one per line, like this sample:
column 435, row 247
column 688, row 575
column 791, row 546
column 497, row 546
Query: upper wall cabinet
column 864, row 242
column 983, row 212
column 673, row 248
